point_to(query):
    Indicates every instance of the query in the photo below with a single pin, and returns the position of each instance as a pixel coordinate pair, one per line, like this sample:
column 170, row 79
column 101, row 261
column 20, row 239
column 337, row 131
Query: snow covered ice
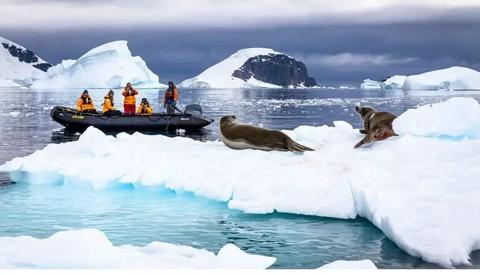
column 90, row 248
column 363, row 264
column 451, row 79
column 110, row 65
column 420, row 188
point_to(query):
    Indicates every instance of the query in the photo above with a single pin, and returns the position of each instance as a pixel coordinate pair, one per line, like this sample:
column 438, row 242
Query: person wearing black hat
column 85, row 103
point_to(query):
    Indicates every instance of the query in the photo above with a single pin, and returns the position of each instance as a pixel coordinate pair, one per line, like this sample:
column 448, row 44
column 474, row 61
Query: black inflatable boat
column 191, row 119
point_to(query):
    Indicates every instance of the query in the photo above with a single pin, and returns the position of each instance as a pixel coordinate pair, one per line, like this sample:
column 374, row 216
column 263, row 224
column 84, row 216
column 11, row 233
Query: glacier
column 90, row 248
column 420, row 188
column 219, row 76
column 110, row 65
column 450, row 79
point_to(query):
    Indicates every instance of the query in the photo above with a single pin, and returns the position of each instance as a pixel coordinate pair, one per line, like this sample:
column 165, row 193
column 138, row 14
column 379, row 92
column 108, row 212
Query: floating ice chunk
column 363, row 264
column 421, row 190
column 90, row 248
column 456, row 117
column 369, row 84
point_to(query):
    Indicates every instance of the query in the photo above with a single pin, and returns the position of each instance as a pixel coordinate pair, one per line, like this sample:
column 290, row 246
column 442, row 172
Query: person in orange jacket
column 85, row 103
column 144, row 108
column 129, row 101
column 170, row 99
column 108, row 105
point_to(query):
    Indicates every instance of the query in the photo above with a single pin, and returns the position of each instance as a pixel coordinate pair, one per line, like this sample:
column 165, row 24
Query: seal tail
column 296, row 147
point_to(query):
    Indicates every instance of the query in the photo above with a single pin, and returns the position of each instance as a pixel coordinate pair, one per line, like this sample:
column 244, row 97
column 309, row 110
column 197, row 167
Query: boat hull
column 76, row 121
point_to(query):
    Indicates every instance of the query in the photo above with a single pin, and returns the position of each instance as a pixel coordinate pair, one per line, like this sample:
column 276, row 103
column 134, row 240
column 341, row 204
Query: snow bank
column 90, row 248
column 421, row 189
column 363, row 264
column 110, row 65
column 453, row 78
column 220, row 74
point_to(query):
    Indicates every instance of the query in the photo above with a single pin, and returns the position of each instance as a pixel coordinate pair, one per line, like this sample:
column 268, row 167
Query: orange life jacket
column 129, row 96
column 171, row 94
column 84, row 104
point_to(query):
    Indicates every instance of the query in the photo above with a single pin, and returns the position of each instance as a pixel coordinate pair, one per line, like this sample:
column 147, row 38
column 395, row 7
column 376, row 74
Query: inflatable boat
column 191, row 119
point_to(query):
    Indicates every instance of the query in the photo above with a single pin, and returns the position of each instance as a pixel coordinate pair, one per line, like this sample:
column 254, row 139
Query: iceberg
column 394, row 83
column 369, row 84
column 90, row 248
column 453, row 78
column 110, row 65
column 449, row 79
column 420, row 188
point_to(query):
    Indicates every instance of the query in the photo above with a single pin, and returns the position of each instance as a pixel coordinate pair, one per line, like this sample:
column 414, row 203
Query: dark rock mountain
column 26, row 55
column 277, row 69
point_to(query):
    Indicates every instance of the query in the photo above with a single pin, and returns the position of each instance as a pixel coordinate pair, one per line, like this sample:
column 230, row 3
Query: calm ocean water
column 130, row 216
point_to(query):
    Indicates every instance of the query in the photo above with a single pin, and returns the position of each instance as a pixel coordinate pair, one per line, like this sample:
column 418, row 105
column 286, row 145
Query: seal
column 242, row 136
column 376, row 125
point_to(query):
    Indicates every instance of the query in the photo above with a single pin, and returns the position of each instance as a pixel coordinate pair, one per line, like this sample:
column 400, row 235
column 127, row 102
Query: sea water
column 140, row 216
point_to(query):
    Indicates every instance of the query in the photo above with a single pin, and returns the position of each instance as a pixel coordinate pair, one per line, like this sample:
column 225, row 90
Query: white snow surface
column 220, row 74
column 362, row 264
column 420, row 188
column 110, row 65
column 13, row 72
column 90, row 248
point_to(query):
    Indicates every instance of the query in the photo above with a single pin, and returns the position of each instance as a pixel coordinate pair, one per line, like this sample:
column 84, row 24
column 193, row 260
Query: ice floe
column 90, row 248
column 363, row 264
column 420, row 188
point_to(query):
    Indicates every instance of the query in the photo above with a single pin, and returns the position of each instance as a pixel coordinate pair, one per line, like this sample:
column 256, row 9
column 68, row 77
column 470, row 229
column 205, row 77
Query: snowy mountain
column 253, row 68
column 18, row 64
column 453, row 78
column 110, row 65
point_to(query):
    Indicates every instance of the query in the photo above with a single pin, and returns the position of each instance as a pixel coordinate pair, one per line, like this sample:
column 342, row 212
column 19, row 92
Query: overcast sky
column 341, row 42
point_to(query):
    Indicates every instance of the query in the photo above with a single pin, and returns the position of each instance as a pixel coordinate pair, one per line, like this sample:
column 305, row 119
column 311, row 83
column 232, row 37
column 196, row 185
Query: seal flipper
column 296, row 147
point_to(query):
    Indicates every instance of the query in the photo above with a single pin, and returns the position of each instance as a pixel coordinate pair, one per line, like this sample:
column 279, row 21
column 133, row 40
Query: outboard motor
column 193, row 109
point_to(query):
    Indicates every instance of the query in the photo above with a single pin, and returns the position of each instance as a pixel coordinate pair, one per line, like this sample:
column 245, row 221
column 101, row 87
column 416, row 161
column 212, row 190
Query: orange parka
column 107, row 104
column 129, row 96
column 85, row 104
column 147, row 110
column 171, row 95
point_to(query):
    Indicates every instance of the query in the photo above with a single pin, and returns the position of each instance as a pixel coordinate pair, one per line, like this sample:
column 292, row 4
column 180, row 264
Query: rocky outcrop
column 26, row 55
column 277, row 69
